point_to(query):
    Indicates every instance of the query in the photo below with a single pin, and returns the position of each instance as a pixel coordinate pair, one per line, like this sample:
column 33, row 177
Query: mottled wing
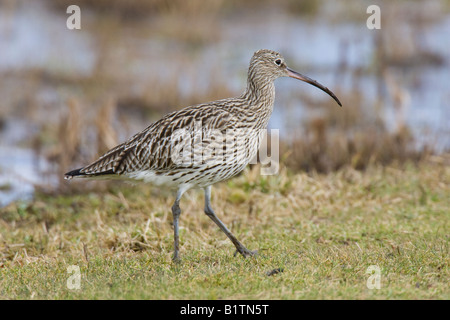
column 155, row 147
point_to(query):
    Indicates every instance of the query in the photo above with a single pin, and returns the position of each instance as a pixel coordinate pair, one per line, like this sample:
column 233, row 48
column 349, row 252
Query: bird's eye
column 278, row 62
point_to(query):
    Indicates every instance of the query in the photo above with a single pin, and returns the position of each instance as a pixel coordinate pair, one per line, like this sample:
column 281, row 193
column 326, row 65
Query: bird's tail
column 106, row 165
column 79, row 174
column 74, row 173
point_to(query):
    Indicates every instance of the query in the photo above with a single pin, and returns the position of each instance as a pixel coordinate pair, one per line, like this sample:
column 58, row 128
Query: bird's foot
column 245, row 252
column 176, row 259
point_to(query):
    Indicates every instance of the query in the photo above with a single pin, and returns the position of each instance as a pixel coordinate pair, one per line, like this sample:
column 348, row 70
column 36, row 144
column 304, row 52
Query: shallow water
column 21, row 170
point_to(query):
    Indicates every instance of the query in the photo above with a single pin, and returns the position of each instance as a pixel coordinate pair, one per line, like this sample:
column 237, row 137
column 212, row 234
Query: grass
column 321, row 231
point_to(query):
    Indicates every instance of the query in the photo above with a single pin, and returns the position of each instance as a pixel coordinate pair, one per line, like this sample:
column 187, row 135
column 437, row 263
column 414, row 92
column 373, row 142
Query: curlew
column 203, row 144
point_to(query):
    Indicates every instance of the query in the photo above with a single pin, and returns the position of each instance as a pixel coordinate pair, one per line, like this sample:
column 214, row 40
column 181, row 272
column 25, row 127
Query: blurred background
column 69, row 95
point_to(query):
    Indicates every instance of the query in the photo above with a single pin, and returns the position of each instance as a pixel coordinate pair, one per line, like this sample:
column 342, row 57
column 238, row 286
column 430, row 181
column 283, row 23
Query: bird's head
column 268, row 65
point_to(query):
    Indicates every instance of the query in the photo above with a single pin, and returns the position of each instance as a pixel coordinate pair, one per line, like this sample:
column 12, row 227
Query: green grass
column 323, row 231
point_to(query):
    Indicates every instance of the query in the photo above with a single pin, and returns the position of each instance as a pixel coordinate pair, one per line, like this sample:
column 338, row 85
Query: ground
column 318, row 236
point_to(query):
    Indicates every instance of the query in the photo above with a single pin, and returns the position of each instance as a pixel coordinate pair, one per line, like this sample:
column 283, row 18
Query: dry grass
column 324, row 231
column 354, row 135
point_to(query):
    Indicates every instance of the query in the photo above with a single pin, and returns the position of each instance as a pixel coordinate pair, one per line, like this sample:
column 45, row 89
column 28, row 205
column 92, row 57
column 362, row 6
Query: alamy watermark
column 74, row 280
column 74, row 20
column 374, row 280
column 374, row 20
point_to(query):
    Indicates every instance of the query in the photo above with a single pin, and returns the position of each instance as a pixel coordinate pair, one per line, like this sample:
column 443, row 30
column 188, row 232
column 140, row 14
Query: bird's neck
column 260, row 97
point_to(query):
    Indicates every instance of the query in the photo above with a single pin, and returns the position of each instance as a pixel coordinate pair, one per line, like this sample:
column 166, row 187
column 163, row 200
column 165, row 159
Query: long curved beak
column 296, row 75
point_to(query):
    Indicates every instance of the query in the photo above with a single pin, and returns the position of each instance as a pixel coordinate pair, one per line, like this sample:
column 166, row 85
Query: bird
column 202, row 144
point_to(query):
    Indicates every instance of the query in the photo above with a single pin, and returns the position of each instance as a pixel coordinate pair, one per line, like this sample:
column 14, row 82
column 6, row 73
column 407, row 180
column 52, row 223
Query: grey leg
column 210, row 213
column 176, row 211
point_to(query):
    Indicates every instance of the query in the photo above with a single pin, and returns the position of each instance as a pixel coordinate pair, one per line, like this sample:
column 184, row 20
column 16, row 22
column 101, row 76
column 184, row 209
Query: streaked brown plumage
column 203, row 144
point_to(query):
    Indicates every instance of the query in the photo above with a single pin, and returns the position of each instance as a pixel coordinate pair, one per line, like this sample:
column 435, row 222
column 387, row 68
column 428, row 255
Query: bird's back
column 197, row 146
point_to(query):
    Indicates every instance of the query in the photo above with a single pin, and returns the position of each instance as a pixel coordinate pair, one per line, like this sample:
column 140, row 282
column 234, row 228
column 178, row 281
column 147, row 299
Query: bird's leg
column 176, row 211
column 210, row 213
column 176, row 243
